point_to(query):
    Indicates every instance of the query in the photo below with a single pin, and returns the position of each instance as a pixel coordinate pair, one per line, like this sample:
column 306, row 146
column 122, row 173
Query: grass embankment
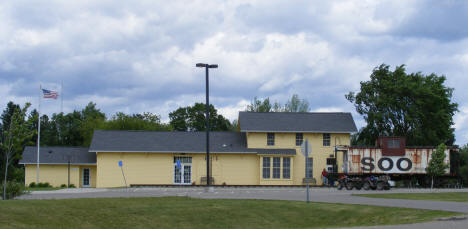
column 439, row 196
column 182, row 212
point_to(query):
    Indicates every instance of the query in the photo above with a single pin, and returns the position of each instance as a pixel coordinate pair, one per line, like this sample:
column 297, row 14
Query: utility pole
column 207, row 115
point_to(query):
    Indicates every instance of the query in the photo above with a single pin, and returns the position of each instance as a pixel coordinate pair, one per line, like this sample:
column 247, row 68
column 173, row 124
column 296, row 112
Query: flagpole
column 61, row 97
column 38, row 134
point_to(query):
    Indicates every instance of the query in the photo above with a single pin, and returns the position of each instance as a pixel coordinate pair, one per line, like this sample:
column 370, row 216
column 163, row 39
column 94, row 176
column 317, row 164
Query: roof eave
column 46, row 163
column 172, row 152
column 295, row 131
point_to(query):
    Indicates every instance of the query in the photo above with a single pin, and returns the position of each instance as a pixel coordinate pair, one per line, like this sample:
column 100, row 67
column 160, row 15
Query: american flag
column 49, row 94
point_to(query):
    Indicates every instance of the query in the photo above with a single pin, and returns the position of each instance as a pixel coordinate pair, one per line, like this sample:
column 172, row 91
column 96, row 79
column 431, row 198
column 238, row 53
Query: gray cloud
column 441, row 20
column 136, row 57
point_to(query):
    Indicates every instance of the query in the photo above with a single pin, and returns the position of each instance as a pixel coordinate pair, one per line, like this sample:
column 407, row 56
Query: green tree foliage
column 13, row 137
column 463, row 171
column 260, row 106
column 91, row 118
column 295, row 104
column 18, row 128
column 145, row 121
column 73, row 129
column 192, row 118
column 414, row 105
column 76, row 128
column 437, row 165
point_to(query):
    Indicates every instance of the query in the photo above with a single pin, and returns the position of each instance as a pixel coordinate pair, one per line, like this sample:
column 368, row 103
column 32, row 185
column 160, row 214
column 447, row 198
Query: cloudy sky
column 136, row 57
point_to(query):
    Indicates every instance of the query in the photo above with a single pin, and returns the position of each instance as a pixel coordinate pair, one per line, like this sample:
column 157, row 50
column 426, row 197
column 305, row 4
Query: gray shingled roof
column 158, row 141
column 305, row 122
column 275, row 151
column 58, row 155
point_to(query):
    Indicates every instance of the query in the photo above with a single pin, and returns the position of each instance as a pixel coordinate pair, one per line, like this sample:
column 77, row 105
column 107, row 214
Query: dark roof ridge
column 172, row 131
column 287, row 112
column 59, row 146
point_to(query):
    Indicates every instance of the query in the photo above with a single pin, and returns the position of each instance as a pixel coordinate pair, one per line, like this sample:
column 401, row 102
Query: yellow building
column 266, row 151
column 60, row 166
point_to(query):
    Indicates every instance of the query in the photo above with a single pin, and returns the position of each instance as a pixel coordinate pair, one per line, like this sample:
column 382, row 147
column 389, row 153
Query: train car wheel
column 366, row 186
column 349, row 186
column 340, row 186
column 380, row 186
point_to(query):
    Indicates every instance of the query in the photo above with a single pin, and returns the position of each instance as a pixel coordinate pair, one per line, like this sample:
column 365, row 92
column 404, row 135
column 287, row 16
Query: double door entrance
column 182, row 170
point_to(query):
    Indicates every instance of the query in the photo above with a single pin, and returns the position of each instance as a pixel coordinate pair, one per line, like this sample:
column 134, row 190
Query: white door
column 86, row 177
column 182, row 170
column 182, row 174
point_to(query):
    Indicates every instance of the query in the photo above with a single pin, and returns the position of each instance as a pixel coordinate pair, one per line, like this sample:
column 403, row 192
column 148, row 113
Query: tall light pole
column 207, row 114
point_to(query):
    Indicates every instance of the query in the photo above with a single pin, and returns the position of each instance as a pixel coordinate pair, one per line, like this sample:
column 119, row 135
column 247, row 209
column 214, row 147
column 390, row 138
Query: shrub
column 72, row 186
column 63, row 186
column 13, row 189
column 44, row 185
column 32, row 185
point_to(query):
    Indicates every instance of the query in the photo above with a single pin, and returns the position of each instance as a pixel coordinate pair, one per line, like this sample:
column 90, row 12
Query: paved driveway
column 327, row 195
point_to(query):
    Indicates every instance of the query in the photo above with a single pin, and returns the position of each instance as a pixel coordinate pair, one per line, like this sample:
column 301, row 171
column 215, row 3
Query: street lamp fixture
column 207, row 115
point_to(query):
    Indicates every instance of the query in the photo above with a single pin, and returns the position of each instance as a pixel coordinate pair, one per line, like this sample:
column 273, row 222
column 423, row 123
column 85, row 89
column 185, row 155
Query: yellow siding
column 319, row 152
column 57, row 175
column 139, row 168
column 158, row 168
column 235, row 169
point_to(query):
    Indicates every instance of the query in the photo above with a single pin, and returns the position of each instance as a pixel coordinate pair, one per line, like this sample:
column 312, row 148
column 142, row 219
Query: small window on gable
column 299, row 139
column 393, row 143
column 326, row 139
column 271, row 139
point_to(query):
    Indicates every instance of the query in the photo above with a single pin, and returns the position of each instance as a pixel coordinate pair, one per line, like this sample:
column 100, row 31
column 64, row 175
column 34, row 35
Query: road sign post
column 123, row 175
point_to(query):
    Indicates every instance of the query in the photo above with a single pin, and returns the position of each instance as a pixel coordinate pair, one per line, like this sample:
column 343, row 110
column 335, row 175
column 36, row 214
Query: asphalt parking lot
column 326, row 195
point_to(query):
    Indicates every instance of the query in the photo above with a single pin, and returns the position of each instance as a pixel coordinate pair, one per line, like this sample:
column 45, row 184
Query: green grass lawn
column 184, row 212
column 440, row 196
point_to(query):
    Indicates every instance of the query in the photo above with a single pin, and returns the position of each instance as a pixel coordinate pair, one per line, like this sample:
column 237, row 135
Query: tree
column 295, row 104
column 145, row 121
column 192, row 118
column 14, row 137
column 463, row 170
column 260, row 106
column 414, row 105
column 91, row 119
column 437, row 165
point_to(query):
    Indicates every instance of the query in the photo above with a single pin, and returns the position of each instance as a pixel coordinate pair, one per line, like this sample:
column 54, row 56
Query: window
column 271, row 139
column 266, row 168
column 299, row 139
column 393, row 143
column 310, row 167
column 183, row 160
column 331, row 161
column 277, row 167
column 286, row 167
column 326, row 139
column 271, row 168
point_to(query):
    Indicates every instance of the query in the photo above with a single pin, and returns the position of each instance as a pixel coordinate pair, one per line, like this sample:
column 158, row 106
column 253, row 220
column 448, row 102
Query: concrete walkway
column 324, row 195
